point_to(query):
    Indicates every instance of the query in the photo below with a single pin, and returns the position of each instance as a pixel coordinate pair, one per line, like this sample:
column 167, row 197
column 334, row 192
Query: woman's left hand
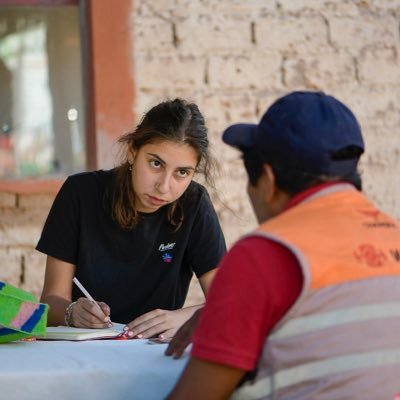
column 161, row 323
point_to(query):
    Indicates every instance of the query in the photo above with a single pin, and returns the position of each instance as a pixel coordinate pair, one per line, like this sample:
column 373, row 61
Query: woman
column 134, row 235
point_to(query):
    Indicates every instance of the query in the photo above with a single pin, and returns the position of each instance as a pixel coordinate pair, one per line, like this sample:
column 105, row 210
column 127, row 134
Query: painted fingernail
column 161, row 337
column 130, row 333
column 139, row 336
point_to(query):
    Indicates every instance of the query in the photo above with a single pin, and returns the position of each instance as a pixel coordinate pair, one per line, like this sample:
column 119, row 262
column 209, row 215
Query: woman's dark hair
column 173, row 120
column 294, row 181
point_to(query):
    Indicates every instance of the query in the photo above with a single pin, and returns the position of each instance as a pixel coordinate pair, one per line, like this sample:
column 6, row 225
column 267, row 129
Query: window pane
column 41, row 108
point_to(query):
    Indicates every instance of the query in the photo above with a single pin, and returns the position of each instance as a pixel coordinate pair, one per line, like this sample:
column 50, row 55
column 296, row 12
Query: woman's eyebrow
column 164, row 163
column 157, row 157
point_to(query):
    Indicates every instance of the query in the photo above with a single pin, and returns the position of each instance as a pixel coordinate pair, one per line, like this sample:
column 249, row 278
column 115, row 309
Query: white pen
column 88, row 296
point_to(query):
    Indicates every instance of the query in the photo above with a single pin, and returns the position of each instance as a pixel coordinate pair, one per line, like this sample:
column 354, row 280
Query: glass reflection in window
column 41, row 112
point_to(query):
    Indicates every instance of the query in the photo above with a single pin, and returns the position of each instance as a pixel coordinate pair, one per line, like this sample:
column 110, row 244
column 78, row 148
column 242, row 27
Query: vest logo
column 368, row 254
column 167, row 258
column 375, row 220
column 396, row 255
column 371, row 214
column 165, row 247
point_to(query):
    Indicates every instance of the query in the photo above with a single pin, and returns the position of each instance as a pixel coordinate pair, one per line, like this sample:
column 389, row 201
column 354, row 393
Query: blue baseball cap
column 304, row 131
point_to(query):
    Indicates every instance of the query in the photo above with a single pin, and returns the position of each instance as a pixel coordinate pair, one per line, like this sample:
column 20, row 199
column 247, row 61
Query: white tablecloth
column 90, row 370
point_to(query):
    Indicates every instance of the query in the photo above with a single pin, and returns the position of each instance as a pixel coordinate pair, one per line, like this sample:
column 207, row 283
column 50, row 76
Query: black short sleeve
column 60, row 235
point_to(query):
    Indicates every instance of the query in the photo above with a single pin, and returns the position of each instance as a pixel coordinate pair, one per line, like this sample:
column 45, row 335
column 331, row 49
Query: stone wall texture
column 233, row 58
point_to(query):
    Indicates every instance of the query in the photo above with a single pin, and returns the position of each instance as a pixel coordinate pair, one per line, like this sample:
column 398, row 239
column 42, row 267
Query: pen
column 87, row 295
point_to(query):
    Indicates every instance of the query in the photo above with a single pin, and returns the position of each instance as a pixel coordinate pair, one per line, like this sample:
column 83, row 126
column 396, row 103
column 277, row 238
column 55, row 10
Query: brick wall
column 234, row 57
column 21, row 221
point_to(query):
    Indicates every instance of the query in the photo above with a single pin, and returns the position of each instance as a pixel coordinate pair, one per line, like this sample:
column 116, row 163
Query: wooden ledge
column 32, row 185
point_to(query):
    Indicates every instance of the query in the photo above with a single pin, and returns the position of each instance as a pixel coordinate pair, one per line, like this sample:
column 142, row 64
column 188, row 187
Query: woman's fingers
column 86, row 314
column 156, row 322
column 149, row 324
column 154, row 331
column 81, row 322
column 105, row 308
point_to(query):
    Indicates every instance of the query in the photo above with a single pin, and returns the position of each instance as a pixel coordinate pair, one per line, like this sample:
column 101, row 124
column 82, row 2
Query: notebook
column 72, row 333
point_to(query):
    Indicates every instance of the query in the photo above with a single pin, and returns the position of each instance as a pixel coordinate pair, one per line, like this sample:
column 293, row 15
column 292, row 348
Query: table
column 89, row 370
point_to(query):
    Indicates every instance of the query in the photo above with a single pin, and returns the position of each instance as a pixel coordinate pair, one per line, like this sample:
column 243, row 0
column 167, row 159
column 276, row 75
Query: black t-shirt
column 133, row 271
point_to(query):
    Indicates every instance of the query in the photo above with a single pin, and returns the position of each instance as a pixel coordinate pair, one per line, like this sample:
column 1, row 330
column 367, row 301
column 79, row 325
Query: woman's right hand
column 86, row 314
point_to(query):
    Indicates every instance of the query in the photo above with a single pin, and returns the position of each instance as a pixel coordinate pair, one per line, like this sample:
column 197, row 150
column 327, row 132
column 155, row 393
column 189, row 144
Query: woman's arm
column 206, row 280
column 57, row 290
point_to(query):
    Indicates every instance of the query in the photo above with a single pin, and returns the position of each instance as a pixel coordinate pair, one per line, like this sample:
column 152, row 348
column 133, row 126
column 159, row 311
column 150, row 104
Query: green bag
column 21, row 316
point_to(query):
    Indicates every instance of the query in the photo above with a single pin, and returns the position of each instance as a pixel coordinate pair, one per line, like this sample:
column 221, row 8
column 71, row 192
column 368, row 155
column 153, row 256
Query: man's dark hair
column 294, row 181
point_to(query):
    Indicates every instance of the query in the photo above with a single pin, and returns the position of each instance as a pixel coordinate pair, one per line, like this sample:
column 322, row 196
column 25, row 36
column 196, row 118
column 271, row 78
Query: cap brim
column 241, row 136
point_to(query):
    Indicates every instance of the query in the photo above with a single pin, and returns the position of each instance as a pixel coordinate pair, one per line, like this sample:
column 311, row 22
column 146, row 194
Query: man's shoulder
column 264, row 247
column 254, row 239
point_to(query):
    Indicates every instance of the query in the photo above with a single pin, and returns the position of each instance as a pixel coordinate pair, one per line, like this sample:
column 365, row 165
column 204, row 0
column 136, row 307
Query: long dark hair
column 172, row 120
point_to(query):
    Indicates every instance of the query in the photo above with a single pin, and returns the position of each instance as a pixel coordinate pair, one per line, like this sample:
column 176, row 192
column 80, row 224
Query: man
column 308, row 305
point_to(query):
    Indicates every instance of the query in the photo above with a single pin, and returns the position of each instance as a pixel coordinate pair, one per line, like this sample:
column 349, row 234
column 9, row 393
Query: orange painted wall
column 112, row 69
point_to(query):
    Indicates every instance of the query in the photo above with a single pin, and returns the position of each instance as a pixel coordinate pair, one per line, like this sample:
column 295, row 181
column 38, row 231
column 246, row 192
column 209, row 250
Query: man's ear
column 270, row 187
column 273, row 196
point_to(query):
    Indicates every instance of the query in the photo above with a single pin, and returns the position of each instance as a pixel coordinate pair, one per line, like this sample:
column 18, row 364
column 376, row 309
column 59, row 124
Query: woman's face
column 161, row 172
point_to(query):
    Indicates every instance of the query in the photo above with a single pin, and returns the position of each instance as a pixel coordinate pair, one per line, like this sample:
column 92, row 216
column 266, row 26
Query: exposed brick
column 291, row 34
column 208, row 33
column 35, row 201
column 166, row 9
column 366, row 30
column 381, row 104
column 153, row 34
column 177, row 72
column 11, row 266
column 385, row 5
column 21, row 227
column 244, row 9
column 183, row 8
column 8, row 200
column 255, row 71
column 237, row 106
column 336, row 7
column 379, row 66
column 380, row 165
column 325, row 71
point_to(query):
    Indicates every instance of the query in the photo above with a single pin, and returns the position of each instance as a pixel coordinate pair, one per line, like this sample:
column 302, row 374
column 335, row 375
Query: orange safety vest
column 341, row 338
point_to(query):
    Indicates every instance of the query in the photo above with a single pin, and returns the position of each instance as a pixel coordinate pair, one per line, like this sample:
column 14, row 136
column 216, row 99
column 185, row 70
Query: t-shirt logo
column 165, row 247
column 167, row 257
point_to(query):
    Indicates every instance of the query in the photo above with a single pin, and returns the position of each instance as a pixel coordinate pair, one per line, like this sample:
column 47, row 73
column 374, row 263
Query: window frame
column 108, row 87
